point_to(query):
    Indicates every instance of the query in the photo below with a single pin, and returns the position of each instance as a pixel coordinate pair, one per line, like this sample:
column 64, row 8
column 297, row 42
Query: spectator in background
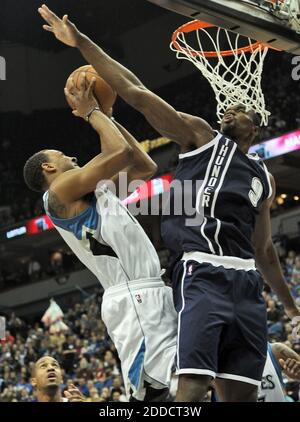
column 56, row 263
column 295, row 276
column 34, row 269
column 46, row 381
column 273, row 313
column 9, row 339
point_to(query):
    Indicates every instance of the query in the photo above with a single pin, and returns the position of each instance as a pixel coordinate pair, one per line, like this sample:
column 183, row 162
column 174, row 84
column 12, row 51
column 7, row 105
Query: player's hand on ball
column 64, row 30
column 81, row 98
column 74, row 395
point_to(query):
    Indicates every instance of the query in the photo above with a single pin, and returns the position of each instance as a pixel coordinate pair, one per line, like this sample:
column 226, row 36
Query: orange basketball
column 104, row 94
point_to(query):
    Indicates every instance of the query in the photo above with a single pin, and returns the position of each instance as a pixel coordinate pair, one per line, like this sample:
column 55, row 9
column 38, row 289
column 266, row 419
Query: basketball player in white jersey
column 222, row 332
column 47, row 380
column 137, row 307
column 280, row 357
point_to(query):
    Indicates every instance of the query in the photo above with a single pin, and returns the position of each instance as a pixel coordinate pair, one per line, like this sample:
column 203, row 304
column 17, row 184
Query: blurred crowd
column 89, row 359
column 85, row 353
column 57, row 264
column 21, row 136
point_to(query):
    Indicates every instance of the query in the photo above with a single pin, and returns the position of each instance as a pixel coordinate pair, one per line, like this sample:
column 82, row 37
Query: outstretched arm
column 267, row 258
column 189, row 131
column 72, row 185
column 142, row 166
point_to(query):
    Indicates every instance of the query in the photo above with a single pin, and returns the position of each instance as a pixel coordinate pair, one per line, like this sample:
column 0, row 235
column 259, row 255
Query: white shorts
column 142, row 322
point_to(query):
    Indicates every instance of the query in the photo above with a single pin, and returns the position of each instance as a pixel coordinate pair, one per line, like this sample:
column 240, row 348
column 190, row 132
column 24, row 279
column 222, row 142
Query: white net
column 234, row 78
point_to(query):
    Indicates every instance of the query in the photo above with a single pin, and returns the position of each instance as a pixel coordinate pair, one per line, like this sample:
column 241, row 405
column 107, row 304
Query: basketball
column 104, row 94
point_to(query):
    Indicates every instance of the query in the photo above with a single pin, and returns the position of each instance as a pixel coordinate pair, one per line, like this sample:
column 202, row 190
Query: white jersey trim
column 228, row 262
column 205, row 237
column 239, row 378
column 199, row 194
column 269, row 181
column 217, row 235
column 196, row 372
column 216, row 193
column 201, row 149
column 180, row 312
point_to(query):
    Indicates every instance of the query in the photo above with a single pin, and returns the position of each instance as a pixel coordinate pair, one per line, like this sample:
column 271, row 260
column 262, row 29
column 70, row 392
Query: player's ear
column 33, row 382
column 49, row 167
column 256, row 133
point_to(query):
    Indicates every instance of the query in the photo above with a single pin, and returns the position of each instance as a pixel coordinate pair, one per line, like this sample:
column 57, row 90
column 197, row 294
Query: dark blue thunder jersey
column 226, row 203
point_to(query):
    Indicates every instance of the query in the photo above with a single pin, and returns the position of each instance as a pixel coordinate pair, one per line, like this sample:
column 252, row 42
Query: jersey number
column 256, row 191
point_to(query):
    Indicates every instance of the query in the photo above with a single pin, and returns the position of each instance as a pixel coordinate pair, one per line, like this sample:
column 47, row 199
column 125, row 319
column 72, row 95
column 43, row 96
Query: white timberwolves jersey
column 109, row 240
column 270, row 389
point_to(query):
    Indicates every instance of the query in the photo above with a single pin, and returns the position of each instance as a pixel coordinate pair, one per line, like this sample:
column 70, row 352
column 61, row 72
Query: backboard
column 262, row 20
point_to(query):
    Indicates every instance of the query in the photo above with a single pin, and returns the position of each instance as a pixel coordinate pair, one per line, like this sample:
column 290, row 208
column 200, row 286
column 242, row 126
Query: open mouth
column 51, row 376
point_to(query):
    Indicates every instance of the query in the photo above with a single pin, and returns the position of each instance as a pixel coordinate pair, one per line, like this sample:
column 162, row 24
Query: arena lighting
column 296, row 198
column 283, row 196
column 280, row 201
column 149, row 189
column 278, row 146
column 18, row 231
column 39, row 224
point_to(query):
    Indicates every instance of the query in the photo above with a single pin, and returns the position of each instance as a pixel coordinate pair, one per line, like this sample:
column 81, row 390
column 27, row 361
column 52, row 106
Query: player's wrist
column 90, row 113
column 82, row 41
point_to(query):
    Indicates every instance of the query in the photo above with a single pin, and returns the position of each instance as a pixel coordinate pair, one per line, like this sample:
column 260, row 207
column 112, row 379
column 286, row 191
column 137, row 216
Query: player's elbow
column 264, row 252
column 125, row 152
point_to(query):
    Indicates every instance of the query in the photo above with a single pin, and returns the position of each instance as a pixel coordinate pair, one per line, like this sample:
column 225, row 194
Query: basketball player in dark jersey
column 217, row 288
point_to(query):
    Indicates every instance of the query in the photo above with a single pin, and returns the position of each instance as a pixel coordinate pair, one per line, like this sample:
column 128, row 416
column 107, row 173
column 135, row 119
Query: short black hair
column 33, row 172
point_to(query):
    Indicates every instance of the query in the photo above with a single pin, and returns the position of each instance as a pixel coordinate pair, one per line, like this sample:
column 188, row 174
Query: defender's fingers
column 66, row 19
column 48, row 15
column 48, row 28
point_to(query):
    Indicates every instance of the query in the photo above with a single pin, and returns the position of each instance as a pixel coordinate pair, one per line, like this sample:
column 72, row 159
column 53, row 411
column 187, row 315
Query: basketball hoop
column 234, row 73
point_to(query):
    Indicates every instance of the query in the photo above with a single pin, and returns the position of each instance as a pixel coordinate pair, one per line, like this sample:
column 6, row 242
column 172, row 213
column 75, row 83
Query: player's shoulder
column 202, row 131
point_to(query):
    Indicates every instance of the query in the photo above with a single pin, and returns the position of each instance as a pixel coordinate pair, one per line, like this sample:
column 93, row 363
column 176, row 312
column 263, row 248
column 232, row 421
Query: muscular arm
column 282, row 351
column 189, row 131
column 142, row 167
column 267, row 259
column 74, row 184
column 184, row 129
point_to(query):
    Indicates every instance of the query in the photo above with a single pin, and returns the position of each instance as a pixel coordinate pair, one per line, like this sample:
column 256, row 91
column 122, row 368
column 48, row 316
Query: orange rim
column 194, row 25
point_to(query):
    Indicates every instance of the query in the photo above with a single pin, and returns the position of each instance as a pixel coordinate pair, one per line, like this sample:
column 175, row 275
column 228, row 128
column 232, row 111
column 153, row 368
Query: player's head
column 240, row 124
column 47, row 376
column 44, row 166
